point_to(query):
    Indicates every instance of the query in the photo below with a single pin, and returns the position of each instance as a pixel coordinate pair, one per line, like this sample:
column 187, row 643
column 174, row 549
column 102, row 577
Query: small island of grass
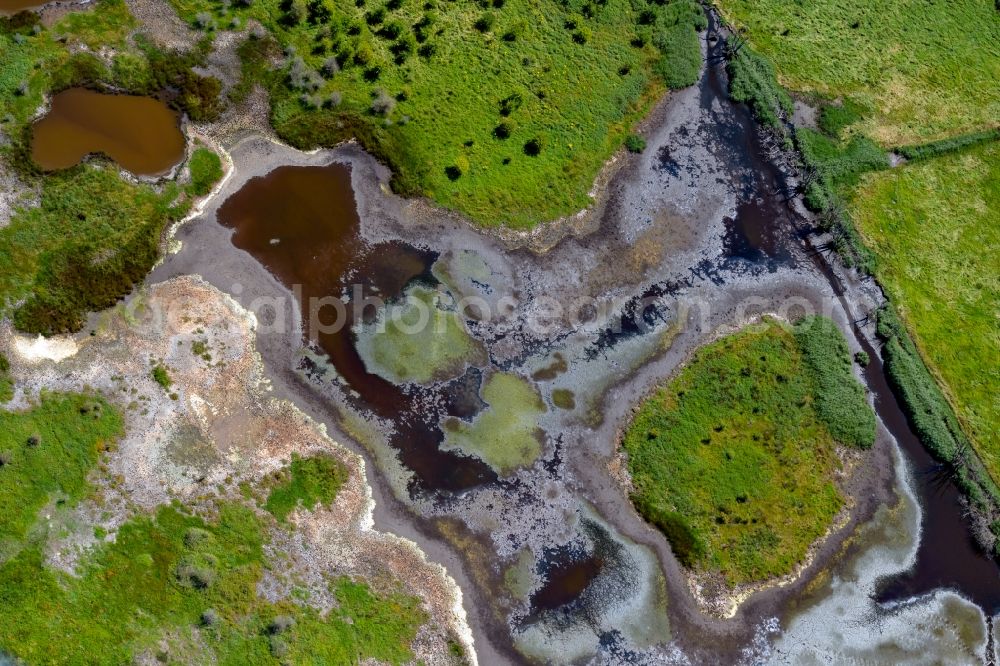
column 735, row 460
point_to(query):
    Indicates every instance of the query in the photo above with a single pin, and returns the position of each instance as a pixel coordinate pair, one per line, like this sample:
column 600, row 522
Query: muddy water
column 142, row 134
column 947, row 556
column 302, row 224
column 8, row 7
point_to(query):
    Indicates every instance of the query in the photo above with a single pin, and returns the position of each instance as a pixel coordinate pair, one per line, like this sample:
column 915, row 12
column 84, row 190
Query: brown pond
column 8, row 7
column 142, row 134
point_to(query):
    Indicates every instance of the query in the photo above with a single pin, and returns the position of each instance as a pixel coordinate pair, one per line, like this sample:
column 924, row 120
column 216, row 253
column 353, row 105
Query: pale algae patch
column 848, row 626
column 418, row 340
column 506, row 436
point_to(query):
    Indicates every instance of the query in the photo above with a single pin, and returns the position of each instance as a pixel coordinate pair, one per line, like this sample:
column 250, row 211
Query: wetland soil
column 700, row 233
column 141, row 134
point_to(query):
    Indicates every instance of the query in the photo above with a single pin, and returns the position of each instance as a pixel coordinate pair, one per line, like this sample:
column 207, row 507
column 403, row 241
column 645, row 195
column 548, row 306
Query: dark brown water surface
column 142, row 134
column 9, row 7
column 302, row 224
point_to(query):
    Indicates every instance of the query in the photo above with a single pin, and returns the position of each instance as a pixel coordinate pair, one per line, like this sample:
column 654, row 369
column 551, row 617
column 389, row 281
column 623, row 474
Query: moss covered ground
column 418, row 340
column 176, row 586
column 506, row 435
column 918, row 71
column 735, row 460
column 503, row 109
column 933, row 226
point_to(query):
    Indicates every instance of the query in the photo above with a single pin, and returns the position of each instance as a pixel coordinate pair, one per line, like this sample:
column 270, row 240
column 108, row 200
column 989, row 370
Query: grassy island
column 735, row 459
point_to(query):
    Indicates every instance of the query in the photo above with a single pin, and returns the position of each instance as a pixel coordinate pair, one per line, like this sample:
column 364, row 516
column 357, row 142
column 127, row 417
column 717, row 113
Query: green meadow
column 933, row 226
column 504, row 110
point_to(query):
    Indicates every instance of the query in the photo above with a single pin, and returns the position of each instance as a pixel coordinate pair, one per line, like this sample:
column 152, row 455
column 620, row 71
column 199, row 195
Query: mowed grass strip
column 733, row 459
column 920, row 70
column 933, row 226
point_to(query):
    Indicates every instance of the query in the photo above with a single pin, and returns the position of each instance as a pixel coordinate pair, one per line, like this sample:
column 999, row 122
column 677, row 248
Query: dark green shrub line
column 829, row 166
column 840, row 399
column 930, row 414
column 753, row 81
column 945, row 146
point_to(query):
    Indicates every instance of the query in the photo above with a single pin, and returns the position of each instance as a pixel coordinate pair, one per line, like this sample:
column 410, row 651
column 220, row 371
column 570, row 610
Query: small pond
column 142, row 134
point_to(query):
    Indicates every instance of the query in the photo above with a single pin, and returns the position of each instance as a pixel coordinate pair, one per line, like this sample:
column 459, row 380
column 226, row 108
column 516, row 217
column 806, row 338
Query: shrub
column 196, row 570
column 161, row 377
column 862, row 358
column 333, row 100
column 383, row 104
column 485, row 22
column 204, row 20
column 210, row 618
column 635, row 143
column 752, row 80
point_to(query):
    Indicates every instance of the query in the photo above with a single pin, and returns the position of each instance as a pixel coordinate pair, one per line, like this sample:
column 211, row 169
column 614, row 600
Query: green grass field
column 504, row 110
column 933, row 226
column 918, row 70
column 178, row 587
column 734, row 459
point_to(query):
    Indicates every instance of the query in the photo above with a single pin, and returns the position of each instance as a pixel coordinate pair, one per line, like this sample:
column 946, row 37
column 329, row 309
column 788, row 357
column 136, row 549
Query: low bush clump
column 944, row 146
column 635, row 143
column 308, row 482
column 206, row 171
column 753, row 81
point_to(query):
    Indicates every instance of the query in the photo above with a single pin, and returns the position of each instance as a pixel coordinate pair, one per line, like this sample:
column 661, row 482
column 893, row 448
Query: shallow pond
column 142, row 134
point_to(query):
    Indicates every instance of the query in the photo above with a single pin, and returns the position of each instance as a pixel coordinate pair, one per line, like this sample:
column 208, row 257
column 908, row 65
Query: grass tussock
column 734, row 459
column 206, row 170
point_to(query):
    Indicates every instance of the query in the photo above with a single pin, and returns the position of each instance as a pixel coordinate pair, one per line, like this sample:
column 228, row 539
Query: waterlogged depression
column 694, row 236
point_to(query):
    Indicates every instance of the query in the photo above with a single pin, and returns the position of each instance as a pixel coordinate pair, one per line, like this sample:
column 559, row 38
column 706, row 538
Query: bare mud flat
column 699, row 234
column 142, row 134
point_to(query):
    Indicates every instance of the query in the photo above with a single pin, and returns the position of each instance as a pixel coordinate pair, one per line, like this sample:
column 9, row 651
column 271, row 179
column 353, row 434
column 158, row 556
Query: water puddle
column 142, row 134
column 302, row 224
column 11, row 7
